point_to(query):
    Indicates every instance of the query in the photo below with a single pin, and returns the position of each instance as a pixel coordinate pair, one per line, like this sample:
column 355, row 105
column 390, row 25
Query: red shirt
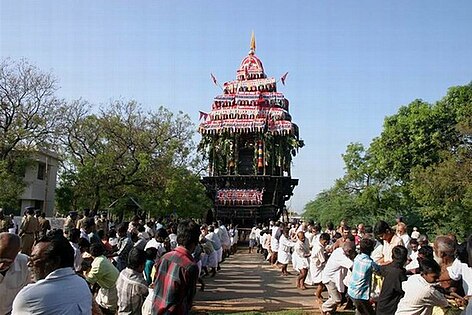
column 175, row 284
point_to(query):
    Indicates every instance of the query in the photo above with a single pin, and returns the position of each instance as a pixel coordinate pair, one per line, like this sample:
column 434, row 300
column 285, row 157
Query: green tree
column 125, row 152
column 419, row 167
column 29, row 116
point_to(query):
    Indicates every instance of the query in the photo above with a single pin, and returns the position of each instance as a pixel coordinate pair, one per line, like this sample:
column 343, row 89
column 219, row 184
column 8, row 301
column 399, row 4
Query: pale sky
column 350, row 63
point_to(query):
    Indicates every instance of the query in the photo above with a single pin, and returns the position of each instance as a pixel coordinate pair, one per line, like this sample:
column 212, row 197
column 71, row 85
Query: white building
column 40, row 179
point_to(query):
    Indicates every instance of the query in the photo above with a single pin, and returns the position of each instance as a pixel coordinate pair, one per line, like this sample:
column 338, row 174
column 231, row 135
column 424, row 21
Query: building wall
column 40, row 178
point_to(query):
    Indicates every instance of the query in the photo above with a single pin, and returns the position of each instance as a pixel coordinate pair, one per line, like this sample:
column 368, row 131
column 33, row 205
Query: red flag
column 283, row 78
column 213, row 78
column 202, row 114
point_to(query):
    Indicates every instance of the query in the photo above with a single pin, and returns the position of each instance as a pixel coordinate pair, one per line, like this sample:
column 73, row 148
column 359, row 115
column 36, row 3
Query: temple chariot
column 249, row 139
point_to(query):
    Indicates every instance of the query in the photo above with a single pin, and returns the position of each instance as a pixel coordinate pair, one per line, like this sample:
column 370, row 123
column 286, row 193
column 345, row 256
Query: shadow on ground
column 247, row 283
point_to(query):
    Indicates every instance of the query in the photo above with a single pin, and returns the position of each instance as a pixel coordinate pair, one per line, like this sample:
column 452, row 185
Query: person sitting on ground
column 58, row 289
column 14, row 271
column 394, row 275
column 131, row 287
column 360, row 282
column 420, row 293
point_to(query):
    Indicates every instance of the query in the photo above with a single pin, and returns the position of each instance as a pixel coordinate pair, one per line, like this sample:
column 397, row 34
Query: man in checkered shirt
column 177, row 273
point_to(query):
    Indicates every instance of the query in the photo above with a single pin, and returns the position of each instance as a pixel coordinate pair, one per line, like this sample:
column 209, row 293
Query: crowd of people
column 93, row 267
column 377, row 269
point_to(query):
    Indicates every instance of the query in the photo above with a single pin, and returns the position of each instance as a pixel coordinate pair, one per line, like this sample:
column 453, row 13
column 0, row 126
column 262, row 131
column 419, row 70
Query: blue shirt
column 359, row 285
column 61, row 292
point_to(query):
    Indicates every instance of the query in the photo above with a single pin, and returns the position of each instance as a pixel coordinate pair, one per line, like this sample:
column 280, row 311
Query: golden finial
column 253, row 43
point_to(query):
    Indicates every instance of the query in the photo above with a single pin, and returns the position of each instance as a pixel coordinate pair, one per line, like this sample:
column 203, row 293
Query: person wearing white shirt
column 74, row 236
column 390, row 240
column 317, row 263
column 420, row 294
column 274, row 242
column 334, row 273
column 413, row 250
column 285, row 246
column 14, row 271
column 222, row 232
column 58, row 290
column 258, row 238
column 14, row 228
column 463, row 270
column 158, row 242
column 401, row 231
column 415, row 234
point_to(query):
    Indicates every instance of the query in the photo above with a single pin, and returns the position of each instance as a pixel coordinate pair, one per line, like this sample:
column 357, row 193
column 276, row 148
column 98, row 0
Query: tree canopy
column 420, row 167
column 114, row 153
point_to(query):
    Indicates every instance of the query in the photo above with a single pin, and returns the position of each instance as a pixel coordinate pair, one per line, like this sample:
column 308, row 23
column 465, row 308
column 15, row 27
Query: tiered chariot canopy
column 249, row 104
column 249, row 139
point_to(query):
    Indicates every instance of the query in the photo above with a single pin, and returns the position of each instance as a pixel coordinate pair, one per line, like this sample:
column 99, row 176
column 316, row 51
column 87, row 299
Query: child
column 420, row 293
column 359, row 285
column 394, row 274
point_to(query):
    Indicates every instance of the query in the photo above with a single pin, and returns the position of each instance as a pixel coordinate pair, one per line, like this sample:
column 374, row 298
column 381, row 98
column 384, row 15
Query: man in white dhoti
column 283, row 255
column 318, row 260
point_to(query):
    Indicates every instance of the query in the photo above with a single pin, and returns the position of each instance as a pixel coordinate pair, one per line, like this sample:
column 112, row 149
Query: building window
column 41, row 171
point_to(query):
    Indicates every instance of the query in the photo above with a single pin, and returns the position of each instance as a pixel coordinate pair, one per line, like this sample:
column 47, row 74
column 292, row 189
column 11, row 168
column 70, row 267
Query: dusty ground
column 247, row 283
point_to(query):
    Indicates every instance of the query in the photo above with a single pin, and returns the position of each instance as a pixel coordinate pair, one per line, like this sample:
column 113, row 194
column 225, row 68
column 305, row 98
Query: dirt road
column 247, row 283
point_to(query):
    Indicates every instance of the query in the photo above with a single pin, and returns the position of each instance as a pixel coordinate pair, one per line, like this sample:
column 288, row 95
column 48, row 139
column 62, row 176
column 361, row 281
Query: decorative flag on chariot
column 283, row 78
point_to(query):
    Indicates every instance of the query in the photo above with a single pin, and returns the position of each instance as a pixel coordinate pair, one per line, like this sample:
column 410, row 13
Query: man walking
column 177, row 273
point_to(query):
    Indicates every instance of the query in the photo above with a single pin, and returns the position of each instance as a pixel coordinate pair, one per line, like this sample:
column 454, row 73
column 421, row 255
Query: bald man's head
column 349, row 249
column 9, row 248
